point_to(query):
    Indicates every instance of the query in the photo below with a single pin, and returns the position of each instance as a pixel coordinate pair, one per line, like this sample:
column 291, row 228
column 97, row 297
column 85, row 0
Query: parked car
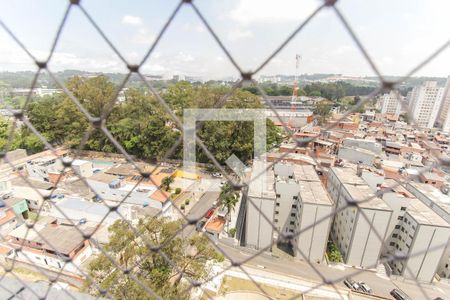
column 351, row 284
column 200, row 224
column 217, row 174
column 209, row 213
column 365, row 288
column 399, row 295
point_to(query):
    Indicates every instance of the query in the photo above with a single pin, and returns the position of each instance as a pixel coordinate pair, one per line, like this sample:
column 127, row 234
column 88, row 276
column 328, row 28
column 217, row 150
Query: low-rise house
column 39, row 168
column 432, row 178
column 50, row 246
column 82, row 168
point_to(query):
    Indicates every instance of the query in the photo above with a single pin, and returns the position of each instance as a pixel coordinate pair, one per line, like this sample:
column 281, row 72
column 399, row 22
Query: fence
column 122, row 272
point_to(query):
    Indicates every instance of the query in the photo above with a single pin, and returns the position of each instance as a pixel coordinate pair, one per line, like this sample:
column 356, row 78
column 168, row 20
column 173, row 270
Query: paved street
column 199, row 210
column 381, row 286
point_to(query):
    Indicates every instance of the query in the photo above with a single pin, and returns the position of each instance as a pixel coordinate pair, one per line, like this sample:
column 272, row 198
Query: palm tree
column 166, row 182
column 228, row 199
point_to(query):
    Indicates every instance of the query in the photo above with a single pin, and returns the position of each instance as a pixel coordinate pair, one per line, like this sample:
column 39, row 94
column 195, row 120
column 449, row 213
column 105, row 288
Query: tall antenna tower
column 295, row 89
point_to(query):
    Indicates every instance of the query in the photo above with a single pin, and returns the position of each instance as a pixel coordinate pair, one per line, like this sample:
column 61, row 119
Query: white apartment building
column 444, row 113
column 358, row 230
column 440, row 204
column 390, row 103
column 304, row 209
column 425, row 103
column 415, row 232
column 260, row 207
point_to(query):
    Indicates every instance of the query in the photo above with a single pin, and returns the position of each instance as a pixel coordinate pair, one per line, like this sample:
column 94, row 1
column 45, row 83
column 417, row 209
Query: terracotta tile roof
column 160, row 196
column 215, row 225
column 8, row 217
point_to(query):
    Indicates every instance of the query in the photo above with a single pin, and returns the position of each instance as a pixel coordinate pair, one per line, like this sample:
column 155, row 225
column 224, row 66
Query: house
column 432, row 178
column 49, row 246
column 40, row 168
column 82, row 168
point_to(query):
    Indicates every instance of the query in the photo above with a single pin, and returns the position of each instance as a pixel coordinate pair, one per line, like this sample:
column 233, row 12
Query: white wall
column 259, row 231
column 312, row 242
column 354, row 155
column 368, row 237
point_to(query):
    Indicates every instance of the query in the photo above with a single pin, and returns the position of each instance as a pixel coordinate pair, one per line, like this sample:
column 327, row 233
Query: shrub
column 177, row 190
column 182, row 207
column 333, row 252
column 232, row 232
column 187, row 201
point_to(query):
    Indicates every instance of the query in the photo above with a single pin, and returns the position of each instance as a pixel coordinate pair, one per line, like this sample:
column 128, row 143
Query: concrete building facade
column 390, row 104
column 425, row 103
column 415, row 232
column 358, row 230
column 260, row 208
column 304, row 209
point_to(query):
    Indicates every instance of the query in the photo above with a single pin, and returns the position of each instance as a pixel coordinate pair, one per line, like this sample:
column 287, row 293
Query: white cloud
column 252, row 11
column 184, row 57
column 143, row 37
column 132, row 20
column 235, row 35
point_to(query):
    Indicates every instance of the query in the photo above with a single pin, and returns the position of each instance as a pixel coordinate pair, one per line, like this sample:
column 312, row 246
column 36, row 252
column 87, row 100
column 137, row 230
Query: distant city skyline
column 251, row 30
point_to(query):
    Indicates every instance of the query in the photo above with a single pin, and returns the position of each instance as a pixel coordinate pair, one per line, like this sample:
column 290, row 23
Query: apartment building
column 425, row 103
column 444, row 113
column 259, row 208
column 359, row 229
column 390, row 103
column 440, row 204
column 304, row 209
column 416, row 232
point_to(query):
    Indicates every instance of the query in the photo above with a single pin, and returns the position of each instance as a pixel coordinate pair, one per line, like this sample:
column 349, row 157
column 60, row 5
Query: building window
column 291, row 230
column 292, row 223
column 400, row 218
column 277, row 212
column 394, row 235
column 293, row 215
column 397, row 226
column 295, row 197
column 278, row 195
column 391, row 244
column 403, row 208
column 294, row 206
column 277, row 204
column 276, row 220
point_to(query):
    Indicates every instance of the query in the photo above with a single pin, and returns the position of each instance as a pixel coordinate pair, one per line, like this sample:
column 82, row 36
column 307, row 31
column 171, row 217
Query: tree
column 322, row 110
column 228, row 198
column 183, row 258
column 166, row 182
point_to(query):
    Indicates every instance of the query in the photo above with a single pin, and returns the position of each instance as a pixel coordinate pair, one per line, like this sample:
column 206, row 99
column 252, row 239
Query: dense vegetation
column 334, row 255
column 331, row 91
column 185, row 259
column 140, row 124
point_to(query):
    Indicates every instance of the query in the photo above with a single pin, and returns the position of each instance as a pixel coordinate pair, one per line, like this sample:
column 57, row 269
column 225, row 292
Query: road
column 299, row 269
column 199, row 210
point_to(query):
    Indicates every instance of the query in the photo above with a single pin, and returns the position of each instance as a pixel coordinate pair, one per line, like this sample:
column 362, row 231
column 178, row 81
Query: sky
column 398, row 35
